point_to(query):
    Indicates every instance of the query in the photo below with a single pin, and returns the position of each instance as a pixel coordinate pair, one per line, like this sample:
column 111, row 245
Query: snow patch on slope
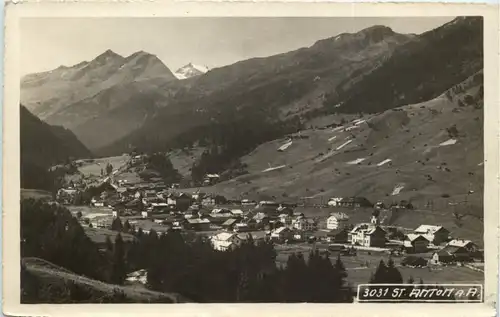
column 342, row 145
column 273, row 168
column 448, row 142
column 285, row 146
column 384, row 162
column 397, row 189
column 356, row 161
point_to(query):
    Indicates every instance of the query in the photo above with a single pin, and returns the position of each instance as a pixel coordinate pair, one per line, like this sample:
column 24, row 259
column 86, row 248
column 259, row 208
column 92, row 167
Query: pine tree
column 380, row 276
column 344, row 292
column 109, row 168
column 393, row 274
column 140, row 233
column 410, row 280
column 116, row 225
column 243, row 287
column 119, row 269
column 109, row 244
column 126, row 226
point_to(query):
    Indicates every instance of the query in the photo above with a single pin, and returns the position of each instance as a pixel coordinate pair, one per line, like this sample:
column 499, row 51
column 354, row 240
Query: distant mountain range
column 257, row 92
column 113, row 103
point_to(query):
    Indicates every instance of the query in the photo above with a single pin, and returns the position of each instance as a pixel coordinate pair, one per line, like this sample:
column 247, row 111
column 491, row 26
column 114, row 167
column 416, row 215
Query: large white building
column 225, row 241
column 337, row 220
column 305, row 224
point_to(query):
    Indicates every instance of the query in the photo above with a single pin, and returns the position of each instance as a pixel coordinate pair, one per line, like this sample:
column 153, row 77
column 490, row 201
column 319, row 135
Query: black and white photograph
column 252, row 159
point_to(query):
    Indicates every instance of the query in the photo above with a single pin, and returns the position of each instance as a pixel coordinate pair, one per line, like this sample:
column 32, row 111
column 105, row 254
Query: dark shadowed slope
column 417, row 71
column 42, row 146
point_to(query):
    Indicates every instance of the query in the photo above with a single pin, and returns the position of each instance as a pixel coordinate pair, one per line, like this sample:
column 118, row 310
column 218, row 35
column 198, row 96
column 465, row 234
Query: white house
column 337, row 220
column 282, row 233
column 367, row 235
column 286, row 219
column 225, row 241
column 305, row 224
column 334, row 201
column 466, row 244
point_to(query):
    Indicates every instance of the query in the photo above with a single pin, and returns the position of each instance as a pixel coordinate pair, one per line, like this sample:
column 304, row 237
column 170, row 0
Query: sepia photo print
column 259, row 159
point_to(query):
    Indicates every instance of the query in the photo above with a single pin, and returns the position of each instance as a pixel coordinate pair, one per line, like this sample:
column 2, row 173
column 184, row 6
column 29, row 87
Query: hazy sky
column 47, row 43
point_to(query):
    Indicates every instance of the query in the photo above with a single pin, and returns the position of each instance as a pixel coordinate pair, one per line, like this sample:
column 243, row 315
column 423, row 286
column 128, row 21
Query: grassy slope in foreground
column 53, row 274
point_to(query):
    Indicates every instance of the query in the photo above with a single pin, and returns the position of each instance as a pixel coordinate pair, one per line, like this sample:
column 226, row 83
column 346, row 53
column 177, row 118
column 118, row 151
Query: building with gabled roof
column 282, row 234
column 225, row 240
column 367, row 235
column 415, row 243
column 450, row 254
column 466, row 244
column 354, row 202
column 305, row 224
column 198, row 224
column 435, row 234
column 337, row 220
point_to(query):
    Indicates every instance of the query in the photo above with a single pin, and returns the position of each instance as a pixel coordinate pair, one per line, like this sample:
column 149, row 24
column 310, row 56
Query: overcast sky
column 47, row 43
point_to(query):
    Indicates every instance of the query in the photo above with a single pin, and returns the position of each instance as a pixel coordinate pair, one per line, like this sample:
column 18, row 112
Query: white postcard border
column 11, row 147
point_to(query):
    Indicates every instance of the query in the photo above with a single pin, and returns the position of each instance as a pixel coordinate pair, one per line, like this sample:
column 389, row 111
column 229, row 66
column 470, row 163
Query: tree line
column 180, row 262
column 175, row 262
column 190, row 266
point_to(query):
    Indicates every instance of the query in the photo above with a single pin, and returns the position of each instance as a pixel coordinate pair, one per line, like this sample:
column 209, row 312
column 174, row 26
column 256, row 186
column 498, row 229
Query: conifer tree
column 116, row 225
column 119, row 268
column 393, row 274
column 380, row 275
column 109, row 244
column 126, row 226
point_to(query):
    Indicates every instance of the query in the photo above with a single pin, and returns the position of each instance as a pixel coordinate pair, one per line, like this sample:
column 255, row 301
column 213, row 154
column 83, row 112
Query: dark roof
column 355, row 200
column 450, row 250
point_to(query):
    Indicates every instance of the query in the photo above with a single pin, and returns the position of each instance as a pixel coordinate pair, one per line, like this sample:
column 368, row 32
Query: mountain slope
column 87, row 97
column 47, row 93
column 261, row 90
column 417, row 71
column 48, row 278
column 426, row 152
column 46, row 144
column 42, row 146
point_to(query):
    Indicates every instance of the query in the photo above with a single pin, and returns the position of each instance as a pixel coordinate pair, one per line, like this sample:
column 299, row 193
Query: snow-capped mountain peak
column 190, row 70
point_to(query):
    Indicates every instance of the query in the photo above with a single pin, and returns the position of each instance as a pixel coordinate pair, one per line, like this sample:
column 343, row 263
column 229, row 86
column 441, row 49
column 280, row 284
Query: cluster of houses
column 446, row 249
column 280, row 222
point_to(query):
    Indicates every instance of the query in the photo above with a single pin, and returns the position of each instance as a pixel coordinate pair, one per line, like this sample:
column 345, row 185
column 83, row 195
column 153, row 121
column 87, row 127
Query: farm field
column 91, row 212
column 99, row 235
column 358, row 273
column 448, row 275
column 93, row 168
